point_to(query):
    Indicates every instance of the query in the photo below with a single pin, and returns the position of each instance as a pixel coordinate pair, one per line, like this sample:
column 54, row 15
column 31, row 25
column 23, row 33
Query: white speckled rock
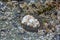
column 30, row 21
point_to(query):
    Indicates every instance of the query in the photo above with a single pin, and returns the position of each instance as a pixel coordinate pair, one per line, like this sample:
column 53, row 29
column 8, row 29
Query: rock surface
column 11, row 17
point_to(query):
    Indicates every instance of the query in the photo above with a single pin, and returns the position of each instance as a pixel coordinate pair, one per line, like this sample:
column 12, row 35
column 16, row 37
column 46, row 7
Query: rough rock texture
column 11, row 16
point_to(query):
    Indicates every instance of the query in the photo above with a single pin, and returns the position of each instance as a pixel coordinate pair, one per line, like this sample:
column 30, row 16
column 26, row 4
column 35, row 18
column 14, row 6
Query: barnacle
column 31, row 22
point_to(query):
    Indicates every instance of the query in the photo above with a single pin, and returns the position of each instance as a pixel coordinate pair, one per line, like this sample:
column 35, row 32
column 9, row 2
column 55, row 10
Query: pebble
column 6, row 23
column 30, row 20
